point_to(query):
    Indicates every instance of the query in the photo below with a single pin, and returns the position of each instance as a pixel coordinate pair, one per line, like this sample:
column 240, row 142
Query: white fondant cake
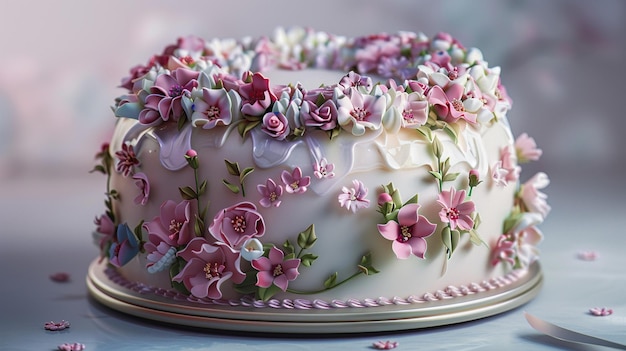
column 317, row 168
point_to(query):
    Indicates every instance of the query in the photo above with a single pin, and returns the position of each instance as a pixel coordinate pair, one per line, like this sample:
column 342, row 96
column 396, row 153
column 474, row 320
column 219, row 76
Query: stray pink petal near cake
column 587, row 255
column 71, row 347
column 600, row 311
column 56, row 326
column 385, row 345
column 60, row 277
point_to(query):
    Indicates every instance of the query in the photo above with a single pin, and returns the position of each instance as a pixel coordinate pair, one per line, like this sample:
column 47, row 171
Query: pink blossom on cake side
column 354, row 198
column 509, row 162
column 356, row 112
column 498, row 174
column 274, row 269
column 173, row 226
column 271, row 193
column 165, row 99
column 449, row 106
column 143, row 185
column 533, row 199
column 104, row 225
column 455, row 210
column 294, row 182
column 212, row 109
column 208, row 268
column 276, row 125
column 408, row 233
column 527, row 241
column 323, row 169
column 236, row 224
column 126, row 160
column 503, row 251
column 526, row 149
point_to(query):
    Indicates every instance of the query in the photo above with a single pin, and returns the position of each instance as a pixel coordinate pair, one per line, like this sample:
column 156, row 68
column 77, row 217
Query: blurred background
column 61, row 63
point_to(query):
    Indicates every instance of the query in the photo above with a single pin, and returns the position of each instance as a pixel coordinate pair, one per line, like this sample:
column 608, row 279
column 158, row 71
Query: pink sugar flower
column 294, row 182
column 354, row 198
column 448, row 104
column 526, row 149
column 503, row 251
column 323, row 117
column 408, row 232
column 385, row 345
column 600, row 311
column 276, row 125
column 498, row 174
column 509, row 163
column 105, row 226
column 274, row 269
column 454, row 210
column 354, row 80
column 256, row 96
column 535, row 200
column 236, row 224
column 213, row 108
column 56, row 326
column 323, row 169
column 587, row 255
column 271, row 193
column 126, row 160
column 173, row 226
column 71, row 347
column 144, row 188
column 208, row 267
column 356, row 112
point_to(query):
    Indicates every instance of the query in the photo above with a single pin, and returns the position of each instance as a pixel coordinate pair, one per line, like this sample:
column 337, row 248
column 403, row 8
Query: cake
column 308, row 171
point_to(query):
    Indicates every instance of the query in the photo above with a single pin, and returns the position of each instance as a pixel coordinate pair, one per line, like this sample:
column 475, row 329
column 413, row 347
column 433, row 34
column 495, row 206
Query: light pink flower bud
column 384, row 198
column 191, row 153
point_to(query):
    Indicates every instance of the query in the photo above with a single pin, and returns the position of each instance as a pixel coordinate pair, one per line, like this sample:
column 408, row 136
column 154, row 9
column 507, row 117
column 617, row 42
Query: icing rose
column 236, row 224
column 275, row 124
column 275, row 270
column 323, row 117
column 408, row 233
column 208, row 267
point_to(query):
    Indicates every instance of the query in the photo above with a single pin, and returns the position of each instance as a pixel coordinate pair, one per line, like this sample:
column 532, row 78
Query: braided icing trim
column 450, row 292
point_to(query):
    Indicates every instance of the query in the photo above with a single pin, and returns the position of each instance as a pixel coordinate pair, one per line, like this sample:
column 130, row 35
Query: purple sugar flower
column 323, row 117
column 256, row 96
column 208, row 267
column 164, row 101
column 274, row 269
column 236, row 224
column 294, row 182
column 408, row 232
column 323, row 169
column 271, row 193
column 144, row 188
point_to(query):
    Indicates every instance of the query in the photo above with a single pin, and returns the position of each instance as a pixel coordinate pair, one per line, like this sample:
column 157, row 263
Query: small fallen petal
column 55, row 326
column 601, row 311
column 587, row 255
column 72, row 347
column 60, row 277
column 385, row 345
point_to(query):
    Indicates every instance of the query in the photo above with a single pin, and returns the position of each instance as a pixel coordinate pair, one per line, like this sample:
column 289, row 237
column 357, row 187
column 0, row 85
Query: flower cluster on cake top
column 432, row 82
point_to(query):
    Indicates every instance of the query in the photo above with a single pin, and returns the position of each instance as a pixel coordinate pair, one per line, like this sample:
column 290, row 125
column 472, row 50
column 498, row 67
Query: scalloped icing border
column 449, row 292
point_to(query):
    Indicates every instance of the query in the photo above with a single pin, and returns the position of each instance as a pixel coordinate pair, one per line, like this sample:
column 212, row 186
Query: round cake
column 309, row 173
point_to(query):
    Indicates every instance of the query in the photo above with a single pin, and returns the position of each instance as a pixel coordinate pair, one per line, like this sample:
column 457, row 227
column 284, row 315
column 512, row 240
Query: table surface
column 46, row 228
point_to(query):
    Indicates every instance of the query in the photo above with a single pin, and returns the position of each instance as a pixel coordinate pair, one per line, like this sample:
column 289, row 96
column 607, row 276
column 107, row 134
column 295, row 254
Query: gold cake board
column 311, row 321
